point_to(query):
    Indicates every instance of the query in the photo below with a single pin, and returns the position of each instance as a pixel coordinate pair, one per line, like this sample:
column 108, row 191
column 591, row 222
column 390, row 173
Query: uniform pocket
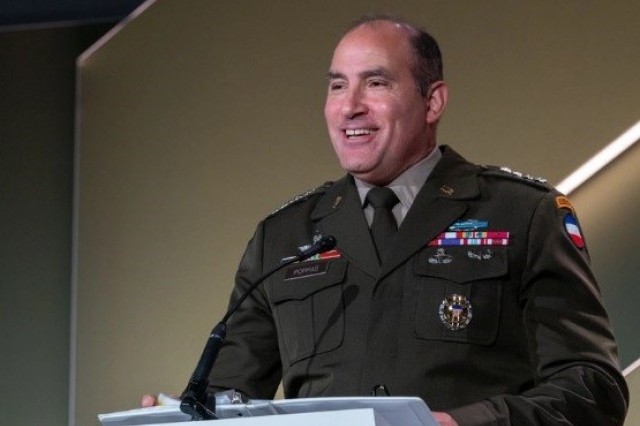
column 309, row 308
column 473, row 272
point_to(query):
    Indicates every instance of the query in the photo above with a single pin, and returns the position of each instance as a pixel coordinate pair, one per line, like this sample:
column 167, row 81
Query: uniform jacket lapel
column 339, row 213
column 442, row 200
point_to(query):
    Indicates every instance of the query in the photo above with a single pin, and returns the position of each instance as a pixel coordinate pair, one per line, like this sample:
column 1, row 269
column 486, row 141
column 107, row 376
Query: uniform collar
column 452, row 178
column 407, row 185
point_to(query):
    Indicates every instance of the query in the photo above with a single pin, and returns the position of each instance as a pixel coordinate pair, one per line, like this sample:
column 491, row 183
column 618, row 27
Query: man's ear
column 437, row 101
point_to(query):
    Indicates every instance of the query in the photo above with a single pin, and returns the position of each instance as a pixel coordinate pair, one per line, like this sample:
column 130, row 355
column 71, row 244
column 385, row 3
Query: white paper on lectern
column 401, row 411
column 144, row 416
column 398, row 411
column 357, row 417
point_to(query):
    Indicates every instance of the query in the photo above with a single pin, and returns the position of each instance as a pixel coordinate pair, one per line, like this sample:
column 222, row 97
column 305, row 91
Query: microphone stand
column 195, row 400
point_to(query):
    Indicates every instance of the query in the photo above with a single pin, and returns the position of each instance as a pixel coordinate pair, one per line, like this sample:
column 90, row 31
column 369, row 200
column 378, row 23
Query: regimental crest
column 455, row 312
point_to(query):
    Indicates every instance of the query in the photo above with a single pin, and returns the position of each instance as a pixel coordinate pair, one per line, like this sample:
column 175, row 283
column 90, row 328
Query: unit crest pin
column 455, row 312
column 447, row 190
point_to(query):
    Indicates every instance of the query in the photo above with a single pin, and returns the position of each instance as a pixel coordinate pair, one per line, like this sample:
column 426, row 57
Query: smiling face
column 378, row 122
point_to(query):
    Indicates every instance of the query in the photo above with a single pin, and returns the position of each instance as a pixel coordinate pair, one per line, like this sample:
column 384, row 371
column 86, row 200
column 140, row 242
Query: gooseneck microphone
column 195, row 400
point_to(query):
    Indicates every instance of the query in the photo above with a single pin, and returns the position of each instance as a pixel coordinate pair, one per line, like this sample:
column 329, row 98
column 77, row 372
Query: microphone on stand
column 195, row 400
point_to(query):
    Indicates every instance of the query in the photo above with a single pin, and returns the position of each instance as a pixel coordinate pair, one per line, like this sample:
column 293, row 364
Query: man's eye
column 336, row 86
column 378, row 83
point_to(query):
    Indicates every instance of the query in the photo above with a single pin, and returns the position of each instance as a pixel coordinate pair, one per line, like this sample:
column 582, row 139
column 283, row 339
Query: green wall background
column 37, row 107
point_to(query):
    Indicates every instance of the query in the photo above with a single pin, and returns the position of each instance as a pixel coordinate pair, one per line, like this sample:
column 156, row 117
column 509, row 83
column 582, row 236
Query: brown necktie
column 384, row 225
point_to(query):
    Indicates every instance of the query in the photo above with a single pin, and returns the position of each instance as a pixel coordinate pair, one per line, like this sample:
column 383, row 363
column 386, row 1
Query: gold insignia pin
column 447, row 190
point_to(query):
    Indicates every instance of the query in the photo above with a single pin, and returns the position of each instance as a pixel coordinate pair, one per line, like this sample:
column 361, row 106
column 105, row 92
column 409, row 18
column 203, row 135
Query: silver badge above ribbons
column 483, row 254
column 455, row 312
column 440, row 257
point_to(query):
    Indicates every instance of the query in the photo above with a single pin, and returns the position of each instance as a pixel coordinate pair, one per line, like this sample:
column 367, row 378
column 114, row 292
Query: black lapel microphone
column 195, row 401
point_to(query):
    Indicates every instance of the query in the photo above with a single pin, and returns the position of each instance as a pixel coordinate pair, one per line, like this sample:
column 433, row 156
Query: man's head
column 384, row 99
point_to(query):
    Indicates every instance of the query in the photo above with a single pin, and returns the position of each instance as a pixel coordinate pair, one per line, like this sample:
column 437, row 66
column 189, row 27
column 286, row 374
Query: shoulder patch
column 507, row 173
column 303, row 196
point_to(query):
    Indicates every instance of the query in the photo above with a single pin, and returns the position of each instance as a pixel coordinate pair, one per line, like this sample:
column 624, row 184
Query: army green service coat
column 538, row 348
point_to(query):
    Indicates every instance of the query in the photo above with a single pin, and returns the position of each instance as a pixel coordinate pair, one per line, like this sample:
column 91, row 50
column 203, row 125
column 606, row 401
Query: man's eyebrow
column 375, row 72
column 335, row 75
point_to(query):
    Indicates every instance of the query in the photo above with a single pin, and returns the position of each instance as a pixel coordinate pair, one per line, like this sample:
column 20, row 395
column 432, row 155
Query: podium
column 359, row 417
column 334, row 411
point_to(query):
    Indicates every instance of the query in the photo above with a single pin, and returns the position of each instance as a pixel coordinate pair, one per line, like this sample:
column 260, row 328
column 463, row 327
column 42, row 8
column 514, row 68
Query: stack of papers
column 399, row 411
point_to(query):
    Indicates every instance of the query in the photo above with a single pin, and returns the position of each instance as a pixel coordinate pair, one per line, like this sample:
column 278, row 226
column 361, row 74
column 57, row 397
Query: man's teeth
column 358, row 132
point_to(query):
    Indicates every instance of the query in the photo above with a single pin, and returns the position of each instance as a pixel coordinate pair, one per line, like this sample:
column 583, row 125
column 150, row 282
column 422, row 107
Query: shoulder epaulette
column 507, row 173
column 303, row 196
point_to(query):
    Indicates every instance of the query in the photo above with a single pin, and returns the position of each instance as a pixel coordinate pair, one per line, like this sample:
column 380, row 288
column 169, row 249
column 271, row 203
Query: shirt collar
column 407, row 185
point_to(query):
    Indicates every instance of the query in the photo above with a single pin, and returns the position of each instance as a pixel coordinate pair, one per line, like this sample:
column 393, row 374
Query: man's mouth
column 350, row 133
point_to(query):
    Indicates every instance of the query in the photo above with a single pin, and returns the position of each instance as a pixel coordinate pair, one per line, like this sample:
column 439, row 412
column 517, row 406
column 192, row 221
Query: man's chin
column 370, row 177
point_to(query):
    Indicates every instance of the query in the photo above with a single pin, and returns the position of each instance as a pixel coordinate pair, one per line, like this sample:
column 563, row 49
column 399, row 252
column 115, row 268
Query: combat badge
column 455, row 312
column 484, row 254
column 469, row 225
column 573, row 230
column 440, row 257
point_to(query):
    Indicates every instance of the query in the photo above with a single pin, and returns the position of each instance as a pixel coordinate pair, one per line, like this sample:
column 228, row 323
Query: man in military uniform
column 468, row 286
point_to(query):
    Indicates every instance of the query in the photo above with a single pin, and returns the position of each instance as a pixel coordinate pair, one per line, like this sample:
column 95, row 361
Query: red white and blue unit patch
column 573, row 230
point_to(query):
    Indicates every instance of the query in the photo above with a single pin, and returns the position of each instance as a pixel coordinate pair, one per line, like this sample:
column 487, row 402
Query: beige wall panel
column 609, row 209
column 201, row 116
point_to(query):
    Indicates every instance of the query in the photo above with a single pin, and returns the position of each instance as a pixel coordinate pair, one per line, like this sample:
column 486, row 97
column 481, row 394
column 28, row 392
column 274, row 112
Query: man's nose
column 354, row 104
